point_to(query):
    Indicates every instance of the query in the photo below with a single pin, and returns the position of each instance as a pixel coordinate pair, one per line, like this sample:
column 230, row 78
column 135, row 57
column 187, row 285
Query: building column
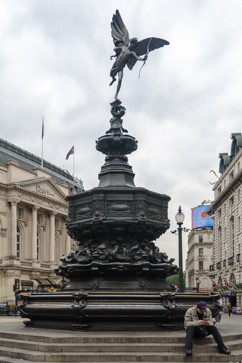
column 34, row 232
column 52, row 236
column 13, row 249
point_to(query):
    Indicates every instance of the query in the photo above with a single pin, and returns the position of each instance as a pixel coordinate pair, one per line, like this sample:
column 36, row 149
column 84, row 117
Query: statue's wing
column 145, row 46
column 155, row 43
column 119, row 31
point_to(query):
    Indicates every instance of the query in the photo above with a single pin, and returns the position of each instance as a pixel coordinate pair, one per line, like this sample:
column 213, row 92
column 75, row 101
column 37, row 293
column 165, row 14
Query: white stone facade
column 200, row 257
column 226, row 212
column 33, row 236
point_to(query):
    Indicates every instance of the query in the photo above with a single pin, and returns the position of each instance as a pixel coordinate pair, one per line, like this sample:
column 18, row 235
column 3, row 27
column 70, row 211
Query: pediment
column 44, row 188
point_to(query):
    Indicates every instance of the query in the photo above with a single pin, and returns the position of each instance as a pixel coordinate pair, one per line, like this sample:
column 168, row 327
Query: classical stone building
column 200, row 257
column 33, row 210
column 226, row 212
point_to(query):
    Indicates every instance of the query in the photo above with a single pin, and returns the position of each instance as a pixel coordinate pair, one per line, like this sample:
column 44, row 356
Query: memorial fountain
column 117, row 275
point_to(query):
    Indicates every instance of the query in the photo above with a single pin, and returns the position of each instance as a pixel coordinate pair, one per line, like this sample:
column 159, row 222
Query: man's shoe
column 224, row 351
column 188, row 352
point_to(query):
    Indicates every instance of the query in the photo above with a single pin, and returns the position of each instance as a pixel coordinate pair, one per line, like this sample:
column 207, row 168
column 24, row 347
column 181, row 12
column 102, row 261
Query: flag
column 70, row 152
column 43, row 127
column 229, row 285
column 217, row 287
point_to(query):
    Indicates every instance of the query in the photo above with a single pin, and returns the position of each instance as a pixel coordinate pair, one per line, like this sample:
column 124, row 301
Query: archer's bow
column 146, row 56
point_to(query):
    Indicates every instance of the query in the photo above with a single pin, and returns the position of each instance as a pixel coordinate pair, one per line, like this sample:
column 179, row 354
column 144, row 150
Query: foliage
column 174, row 279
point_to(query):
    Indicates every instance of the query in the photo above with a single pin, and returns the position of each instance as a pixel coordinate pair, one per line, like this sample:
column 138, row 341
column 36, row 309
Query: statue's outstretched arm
column 138, row 57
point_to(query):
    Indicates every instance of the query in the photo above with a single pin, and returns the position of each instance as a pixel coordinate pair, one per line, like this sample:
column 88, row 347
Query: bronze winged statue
column 128, row 51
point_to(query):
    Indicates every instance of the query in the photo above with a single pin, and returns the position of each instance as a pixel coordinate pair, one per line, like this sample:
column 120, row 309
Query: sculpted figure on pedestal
column 128, row 51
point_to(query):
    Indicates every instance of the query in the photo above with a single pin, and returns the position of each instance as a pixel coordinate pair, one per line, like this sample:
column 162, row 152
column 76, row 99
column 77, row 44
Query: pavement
column 14, row 324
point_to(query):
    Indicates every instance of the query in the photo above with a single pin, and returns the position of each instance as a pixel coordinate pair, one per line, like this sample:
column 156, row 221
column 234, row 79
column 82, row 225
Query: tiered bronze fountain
column 117, row 275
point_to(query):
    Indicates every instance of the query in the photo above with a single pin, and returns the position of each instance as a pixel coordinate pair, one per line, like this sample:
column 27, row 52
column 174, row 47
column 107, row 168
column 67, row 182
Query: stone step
column 13, row 360
column 115, row 338
column 104, row 347
column 34, row 356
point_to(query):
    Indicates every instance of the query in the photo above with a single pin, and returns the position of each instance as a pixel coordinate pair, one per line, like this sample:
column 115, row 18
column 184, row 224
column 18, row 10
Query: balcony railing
column 218, row 265
column 224, row 263
column 211, row 268
column 238, row 257
column 231, row 260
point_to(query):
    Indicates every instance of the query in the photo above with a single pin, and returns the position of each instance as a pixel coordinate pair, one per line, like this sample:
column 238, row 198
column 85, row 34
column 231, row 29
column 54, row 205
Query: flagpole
column 42, row 142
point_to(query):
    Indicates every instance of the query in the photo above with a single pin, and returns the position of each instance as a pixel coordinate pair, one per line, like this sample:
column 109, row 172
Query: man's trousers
column 193, row 331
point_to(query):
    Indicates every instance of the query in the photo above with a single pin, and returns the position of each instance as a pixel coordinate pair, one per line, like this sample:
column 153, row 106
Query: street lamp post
column 179, row 220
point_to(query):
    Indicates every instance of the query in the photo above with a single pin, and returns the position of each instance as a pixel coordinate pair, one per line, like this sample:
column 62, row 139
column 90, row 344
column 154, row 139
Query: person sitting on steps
column 198, row 322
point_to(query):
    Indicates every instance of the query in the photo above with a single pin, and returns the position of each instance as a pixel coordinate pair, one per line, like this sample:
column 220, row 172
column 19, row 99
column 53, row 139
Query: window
column 219, row 213
column 38, row 246
column 56, row 223
column 231, row 202
column 239, row 224
column 231, row 176
column 238, row 166
column 219, row 190
column 200, row 265
column 238, row 195
column 224, row 183
column 19, row 212
column 232, row 279
column 39, row 218
column 200, row 239
column 224, row 208
column 200, row 252
column 18, row 249
column 232, row 236
column 220, row 244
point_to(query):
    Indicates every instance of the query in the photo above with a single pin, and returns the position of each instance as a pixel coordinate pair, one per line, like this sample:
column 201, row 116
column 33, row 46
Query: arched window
column 18, row 247
column 232, row 279
column 38, row 246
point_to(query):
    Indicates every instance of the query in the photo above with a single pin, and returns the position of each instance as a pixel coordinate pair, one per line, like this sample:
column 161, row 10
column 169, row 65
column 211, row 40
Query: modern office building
column 226, row 213
column 33, row 210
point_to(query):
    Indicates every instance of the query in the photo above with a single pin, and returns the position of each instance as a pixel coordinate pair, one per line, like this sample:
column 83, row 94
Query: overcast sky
column 55, row 62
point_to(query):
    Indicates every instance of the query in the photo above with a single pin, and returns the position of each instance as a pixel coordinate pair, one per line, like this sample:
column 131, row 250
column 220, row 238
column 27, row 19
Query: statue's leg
column 120, row 77
column 113, row 80
column 113, row 73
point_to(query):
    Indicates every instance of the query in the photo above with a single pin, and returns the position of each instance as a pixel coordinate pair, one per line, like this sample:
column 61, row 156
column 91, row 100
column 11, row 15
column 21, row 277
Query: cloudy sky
column 55, row 63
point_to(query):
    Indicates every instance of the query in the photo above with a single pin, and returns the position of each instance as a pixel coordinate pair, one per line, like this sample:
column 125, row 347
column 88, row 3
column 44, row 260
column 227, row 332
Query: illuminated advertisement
column 200, row 218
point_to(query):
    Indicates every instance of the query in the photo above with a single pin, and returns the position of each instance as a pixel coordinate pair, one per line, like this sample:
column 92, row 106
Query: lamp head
column 179, row 216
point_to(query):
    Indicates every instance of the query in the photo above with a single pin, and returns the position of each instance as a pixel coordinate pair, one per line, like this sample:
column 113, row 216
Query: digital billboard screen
column 200, row 218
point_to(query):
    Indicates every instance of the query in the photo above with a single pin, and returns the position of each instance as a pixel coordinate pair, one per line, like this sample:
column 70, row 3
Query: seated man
column 198, row 322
